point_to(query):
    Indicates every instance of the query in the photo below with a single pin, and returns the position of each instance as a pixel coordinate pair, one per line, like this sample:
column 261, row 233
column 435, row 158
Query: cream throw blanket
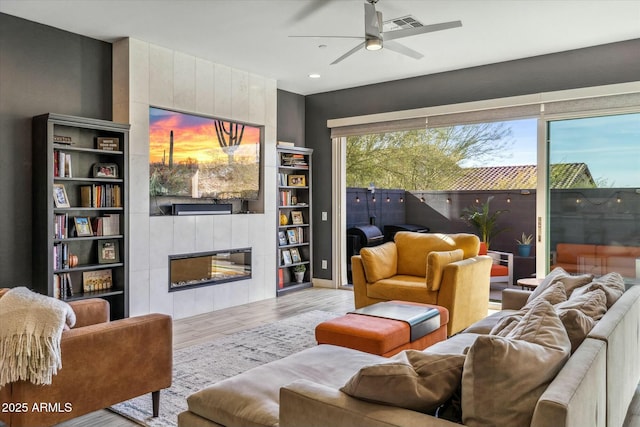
column 31, row 327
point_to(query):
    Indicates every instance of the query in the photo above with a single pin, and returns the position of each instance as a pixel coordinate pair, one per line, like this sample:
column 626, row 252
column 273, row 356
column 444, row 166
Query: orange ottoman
column 379, row 335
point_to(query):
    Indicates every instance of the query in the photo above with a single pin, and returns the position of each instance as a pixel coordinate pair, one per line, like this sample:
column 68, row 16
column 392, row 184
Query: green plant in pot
column 484, row 220
column 299, row 271
column 524, row 244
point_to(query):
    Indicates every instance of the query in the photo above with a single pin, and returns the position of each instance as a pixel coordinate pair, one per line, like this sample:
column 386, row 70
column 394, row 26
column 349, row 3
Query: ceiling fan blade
column 308, row 10
column 400, row 48
column 351, row 52
column 329, row 37
column 372, row 21
column 392, row 35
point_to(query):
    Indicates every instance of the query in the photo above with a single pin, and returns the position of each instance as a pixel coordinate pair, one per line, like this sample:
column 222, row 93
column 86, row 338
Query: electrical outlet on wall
column 324, row 264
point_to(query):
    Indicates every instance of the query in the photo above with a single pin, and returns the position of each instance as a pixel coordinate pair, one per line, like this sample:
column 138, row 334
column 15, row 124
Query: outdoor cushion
column 511, row 364
column 411, row 379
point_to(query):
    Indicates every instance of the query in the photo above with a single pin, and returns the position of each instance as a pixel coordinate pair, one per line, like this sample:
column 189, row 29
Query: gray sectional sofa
column 592, row 386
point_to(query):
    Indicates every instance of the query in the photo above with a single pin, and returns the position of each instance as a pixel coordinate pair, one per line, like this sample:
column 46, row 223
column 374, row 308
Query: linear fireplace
column 188, row 271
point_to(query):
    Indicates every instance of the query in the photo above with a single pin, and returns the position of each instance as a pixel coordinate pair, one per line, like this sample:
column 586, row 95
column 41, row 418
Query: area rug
column 198, row 366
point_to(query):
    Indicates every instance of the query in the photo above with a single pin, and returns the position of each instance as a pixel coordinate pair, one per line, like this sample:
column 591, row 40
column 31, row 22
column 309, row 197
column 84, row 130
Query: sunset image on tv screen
column 196, row 156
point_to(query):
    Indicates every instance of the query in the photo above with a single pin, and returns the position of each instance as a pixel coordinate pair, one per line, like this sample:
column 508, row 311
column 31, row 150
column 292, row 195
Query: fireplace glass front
column 188, row 271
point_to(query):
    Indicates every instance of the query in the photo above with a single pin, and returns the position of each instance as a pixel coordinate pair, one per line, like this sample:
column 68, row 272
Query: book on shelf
column 60, row 226
column 62, row 286
column 101, row 196
column 107, row 225
column 286, row 144
column 294, row 160
column 62, row 164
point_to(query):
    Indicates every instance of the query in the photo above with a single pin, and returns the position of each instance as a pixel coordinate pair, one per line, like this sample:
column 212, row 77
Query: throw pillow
column 577, row 324
column 612, row 284
column 547, row 281
column 572, row 282
column 411, row 379
column 436, row 262
column 379, row 262
column 555, row 293
column 592, row 304
column 520, row 365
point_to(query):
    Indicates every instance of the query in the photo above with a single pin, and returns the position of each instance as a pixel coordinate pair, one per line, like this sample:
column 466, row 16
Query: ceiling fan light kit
column 373, row 44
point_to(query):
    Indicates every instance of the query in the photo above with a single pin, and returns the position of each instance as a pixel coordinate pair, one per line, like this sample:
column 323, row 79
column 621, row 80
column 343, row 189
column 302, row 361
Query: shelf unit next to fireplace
column 95, row 181
column 294, row 246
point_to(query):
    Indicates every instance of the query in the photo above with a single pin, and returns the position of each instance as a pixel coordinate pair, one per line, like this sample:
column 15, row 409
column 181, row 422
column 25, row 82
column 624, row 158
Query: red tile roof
column 563, row 175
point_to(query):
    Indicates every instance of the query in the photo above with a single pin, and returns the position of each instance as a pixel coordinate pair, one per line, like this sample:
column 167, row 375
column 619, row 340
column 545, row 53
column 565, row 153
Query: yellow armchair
column 430, row 268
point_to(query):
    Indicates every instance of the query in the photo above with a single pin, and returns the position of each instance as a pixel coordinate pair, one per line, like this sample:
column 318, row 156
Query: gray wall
column 599, row 65
column 42, row 70
column 291, row 117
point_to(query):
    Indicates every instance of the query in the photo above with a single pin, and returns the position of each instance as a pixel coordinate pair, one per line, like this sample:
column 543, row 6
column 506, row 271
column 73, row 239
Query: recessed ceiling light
column 314, row 76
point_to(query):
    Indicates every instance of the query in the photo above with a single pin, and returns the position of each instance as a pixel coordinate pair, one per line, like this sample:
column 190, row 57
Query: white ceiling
column 252, row 35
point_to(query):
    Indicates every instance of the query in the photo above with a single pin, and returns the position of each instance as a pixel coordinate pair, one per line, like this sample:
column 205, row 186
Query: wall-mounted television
column 198, row 157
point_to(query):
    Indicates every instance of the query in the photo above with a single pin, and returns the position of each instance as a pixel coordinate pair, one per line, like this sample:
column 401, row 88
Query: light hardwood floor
column 206, row 327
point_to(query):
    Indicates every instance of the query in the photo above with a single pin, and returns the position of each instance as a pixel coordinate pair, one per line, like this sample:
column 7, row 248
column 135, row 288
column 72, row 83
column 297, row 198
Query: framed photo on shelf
column 297, row 180
column 83, row 226
column 282, row 238
column 296, row 217
column 292, row 237
column 108, row 251
column 60, row 196
column 105, row 170
column 97, row 280
column 286, row 257
column 295, row 255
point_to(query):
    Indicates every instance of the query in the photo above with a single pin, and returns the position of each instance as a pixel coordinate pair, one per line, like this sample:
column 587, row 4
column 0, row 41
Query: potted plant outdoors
column 524, row 244
column 298, row 271
column 484, row 220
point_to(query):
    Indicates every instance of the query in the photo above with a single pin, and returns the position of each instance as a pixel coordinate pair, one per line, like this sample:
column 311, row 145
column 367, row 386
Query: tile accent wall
column 144, row 75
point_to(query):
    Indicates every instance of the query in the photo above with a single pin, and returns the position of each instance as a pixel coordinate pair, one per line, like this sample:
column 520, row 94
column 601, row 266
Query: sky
column 609, row 145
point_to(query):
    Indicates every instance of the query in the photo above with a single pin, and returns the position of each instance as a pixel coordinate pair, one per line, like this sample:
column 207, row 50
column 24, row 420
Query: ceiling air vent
column 401, row 23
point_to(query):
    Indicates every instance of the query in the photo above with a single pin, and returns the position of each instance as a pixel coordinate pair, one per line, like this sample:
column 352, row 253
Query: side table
column 530, row 283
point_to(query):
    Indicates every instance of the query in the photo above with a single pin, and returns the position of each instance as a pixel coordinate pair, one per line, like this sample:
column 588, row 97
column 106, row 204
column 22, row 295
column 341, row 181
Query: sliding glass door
column 594, row 194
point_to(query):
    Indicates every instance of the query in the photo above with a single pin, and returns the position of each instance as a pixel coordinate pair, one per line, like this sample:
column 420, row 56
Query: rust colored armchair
column 103, row 363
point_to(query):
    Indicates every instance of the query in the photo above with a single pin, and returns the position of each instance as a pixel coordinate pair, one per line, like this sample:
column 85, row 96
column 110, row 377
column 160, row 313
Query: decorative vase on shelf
column 283, row 219
column 299, row 276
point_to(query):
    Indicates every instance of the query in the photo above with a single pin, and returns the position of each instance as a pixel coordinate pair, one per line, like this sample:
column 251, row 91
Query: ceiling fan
column 375, row 39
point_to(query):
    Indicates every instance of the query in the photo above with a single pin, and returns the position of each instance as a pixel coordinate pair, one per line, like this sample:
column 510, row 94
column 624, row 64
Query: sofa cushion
column 411, row 379
column 484, row 326
column 547, row 281
column 511, row 364
column 555, row 293
column 573, row 282
column 413, row 249
column 379, row 262
column 611, row 284
column 577, row 324
column 436, row 262
column 592, row 304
